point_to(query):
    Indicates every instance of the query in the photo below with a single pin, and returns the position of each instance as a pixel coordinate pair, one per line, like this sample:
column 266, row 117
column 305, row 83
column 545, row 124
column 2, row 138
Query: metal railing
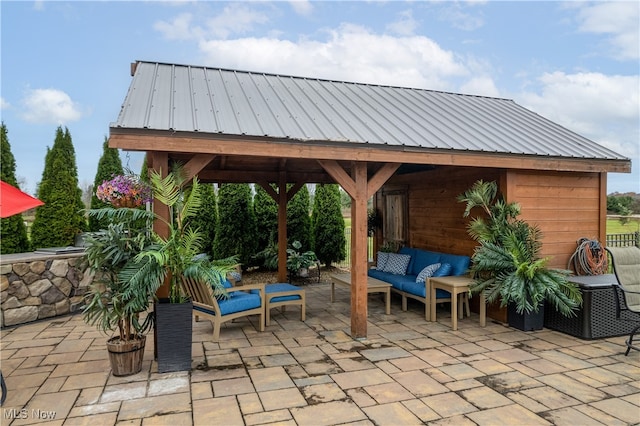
column 624, row 240
column 346, row 263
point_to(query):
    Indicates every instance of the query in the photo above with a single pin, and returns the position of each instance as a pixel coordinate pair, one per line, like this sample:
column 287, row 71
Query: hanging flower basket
column 124, row 191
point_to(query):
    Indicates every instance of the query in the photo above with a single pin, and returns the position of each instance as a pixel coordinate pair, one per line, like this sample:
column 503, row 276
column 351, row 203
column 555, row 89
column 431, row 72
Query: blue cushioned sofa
column 406, row 285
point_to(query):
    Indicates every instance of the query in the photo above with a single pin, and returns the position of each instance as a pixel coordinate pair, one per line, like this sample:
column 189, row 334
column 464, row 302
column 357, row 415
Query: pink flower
column 124, row 191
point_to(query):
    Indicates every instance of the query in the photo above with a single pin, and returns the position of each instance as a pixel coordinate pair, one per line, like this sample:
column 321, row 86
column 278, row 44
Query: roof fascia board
column 357, row 152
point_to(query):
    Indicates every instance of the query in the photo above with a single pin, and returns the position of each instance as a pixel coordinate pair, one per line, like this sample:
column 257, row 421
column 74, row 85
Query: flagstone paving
column 407, row 372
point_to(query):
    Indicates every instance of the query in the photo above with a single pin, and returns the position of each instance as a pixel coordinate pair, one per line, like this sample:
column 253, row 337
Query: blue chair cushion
column 424, row 258
column 443, row 271
column 459, row 264
column 420, row 289
column 239, row 301
column 278, row 288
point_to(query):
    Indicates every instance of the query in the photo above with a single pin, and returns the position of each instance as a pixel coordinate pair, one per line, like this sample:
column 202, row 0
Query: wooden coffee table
column 456, row 285
column 373, row 286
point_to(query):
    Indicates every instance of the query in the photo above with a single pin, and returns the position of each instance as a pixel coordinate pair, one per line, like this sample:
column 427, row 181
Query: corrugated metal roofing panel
column 219, row 101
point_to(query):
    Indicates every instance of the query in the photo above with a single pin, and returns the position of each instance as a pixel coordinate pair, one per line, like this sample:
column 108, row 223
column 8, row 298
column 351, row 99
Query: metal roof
column 183, row 98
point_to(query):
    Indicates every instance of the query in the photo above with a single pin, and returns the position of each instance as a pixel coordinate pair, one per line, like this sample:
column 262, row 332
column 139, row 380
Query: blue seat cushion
column 443, row 271
column 378, row 274
column 396, row 281
column 238, row 301
column 278, row 288
column 459, row 264
column 424, row 258
column 420, row 289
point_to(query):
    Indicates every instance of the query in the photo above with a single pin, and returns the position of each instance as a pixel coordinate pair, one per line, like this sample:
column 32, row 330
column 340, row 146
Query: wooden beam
column 380, row 178
column 196, row 164
column 269, row 190
column 340, row 175
column 359, row 252
column 294, row 190
column 209, row 144
column 245, row 176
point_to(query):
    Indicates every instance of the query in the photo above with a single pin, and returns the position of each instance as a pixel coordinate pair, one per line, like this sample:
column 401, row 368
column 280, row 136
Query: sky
column 68, row 63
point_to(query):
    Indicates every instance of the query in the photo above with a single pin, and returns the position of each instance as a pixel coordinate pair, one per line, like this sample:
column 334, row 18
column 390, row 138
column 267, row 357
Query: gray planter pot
column 525, row 321
column 173, row 336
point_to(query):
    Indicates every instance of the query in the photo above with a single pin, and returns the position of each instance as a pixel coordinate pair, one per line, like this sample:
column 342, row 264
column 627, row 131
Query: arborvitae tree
column 144, row 172
column 13, row 233
column 266, row 211
column 328, row 225
column 298, row 219
column 60, row 219
column 206, row 218
column 108, row 166
column 235, row 230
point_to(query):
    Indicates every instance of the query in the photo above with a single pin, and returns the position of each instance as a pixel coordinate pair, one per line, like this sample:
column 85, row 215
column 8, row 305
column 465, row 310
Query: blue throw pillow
column 397, row 263
column 383, row 257
column 443, row 271
column 427, row 272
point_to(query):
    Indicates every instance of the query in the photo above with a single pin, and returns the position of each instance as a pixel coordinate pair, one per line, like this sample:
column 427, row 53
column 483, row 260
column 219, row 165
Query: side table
column 456, row 285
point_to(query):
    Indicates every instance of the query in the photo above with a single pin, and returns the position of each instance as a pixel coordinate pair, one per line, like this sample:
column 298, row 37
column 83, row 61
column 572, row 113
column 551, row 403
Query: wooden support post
column 159, row 162
column 360, row 189
column 282, row 227
column 359, row 253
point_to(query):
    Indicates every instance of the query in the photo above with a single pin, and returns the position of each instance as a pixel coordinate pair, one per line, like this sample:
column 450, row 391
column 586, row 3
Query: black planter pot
column 173, row 336
column 525, row 321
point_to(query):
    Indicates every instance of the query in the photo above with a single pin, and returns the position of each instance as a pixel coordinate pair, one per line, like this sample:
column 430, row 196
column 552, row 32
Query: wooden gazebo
column 233, row 126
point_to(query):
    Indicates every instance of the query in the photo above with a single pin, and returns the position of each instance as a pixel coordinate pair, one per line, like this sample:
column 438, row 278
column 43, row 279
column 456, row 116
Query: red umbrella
column 14, row 201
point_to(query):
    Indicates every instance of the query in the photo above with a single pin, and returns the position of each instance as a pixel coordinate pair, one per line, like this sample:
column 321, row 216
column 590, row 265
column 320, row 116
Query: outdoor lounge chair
column 626, row 266
column 242, row 301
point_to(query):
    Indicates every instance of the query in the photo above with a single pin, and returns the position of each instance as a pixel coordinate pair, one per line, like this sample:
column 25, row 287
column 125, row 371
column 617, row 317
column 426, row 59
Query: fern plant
column 507, row 265
column 114, row 303
column 178, row 255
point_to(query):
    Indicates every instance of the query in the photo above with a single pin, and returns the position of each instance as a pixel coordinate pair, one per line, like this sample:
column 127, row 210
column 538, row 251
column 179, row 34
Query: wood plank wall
column 435, row 216
column 565, row 205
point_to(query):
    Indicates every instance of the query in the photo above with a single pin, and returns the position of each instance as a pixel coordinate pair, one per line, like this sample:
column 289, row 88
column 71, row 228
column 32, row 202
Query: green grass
column 615, row 227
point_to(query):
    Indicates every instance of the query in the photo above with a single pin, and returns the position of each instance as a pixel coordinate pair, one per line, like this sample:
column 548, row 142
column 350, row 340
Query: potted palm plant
column 170, row 259
column 507, row 264
column 113, row 303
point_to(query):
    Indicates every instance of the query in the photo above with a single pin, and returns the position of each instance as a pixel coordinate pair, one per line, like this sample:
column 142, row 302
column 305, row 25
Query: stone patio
column 407, row 372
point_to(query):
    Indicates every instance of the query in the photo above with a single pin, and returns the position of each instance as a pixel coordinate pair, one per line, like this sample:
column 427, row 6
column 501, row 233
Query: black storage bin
column 597, row 317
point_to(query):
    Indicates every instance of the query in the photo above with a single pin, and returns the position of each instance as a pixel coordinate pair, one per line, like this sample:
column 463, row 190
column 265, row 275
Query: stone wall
column 36, row 287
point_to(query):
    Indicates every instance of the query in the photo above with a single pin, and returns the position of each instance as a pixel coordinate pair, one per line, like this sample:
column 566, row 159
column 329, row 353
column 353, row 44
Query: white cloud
column 482, row 86
column 350, row 53
column 604, row 108
column 460, row 18
column 50, row 106
column 179, row 28
column 235, row 19
column 302, row 7
column 621, row 20
column 4, row 104
column 405, row 24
